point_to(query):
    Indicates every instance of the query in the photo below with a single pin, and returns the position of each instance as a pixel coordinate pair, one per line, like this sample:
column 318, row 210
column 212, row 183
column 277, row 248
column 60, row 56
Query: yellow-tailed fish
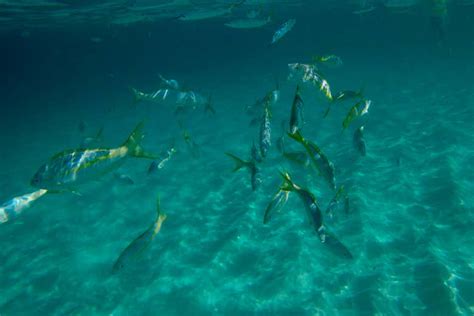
column 139, row 245
column 70, row 168
column 315, row 217
column 12, row 208
column 319, row 159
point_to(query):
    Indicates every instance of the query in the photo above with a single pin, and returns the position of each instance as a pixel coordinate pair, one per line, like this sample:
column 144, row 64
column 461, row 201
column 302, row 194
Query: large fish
column 315, row 217
column 319, row 159
column 139, row 245
column 296, row 117
column 69, row 168
column 11, row 209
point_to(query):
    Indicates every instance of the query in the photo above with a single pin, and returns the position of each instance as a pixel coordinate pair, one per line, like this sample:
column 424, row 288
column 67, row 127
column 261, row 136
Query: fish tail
column 239, row 163
column 297, row 137
column 133, row 143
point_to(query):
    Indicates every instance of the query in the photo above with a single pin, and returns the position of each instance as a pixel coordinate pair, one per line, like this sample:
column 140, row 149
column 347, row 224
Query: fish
column 315, row 217
column 344, row 96
column 208, row 108
column 265, row 132
column 192, row 146
column 209, row 14
column 359, row 142
column 283, row 30
column 160, row 164
column 324, row 166
column 157, row 96
column 296, row 117
column 332, row 61
column 251, row 165
column 276, row 205
column 140, row 244
column 124, row 179
column 269, row 100
column 348, row 95
column 359, row 109
column 73, row 167
column 310, row 73
column 364, row 10
column 169, row 83
column 15, row 206
column 249, row 23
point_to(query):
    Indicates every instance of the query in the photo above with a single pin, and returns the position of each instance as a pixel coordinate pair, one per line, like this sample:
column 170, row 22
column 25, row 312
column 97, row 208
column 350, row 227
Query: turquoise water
column 410, row 216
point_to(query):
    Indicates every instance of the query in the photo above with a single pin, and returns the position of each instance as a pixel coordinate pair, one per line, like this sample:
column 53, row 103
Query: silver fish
column 283, row 30
column 11, row 209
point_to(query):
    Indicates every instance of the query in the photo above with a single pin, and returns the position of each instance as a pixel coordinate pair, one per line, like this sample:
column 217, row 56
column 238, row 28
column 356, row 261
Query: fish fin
column 133, row 143
column 297, row 137
column 287, row 184
column 239, row 163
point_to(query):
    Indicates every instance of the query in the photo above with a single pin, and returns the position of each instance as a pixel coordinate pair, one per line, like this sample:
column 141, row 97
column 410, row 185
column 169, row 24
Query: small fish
column 328, row 60
column 364, row 10
column 139, row 245
column 209, row 14
column 283, row 30
column 276, row 205
column 348, row 95
column 251, row 166
column 359, row 109
column 208, row 108
column 310, row 73
column 344, row 96
column 265, row 133
column 319, row 159
column 124, row 179
column 358, row 141
column 73, row 167
column 269, row 100
column 160, row 164
column 13, row 208
column 296, row 117
column 157, row 96
column 315, row 217
column 169, row 83
column 192, row 146
column 249, row 23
